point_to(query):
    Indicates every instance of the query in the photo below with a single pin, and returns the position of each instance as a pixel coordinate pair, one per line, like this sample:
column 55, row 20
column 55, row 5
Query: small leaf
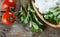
column 30, row 23
column 46, row 16
column 29, row 7
column 33, row 29
column 41, row 30
column 26, row 20
column 58, row 9
column 51, row 16
column 22, row 19
column 58, row 16
column 35, row 25
column 56, row 13
column 52, row 10
column 32, row 10
column 35, row 17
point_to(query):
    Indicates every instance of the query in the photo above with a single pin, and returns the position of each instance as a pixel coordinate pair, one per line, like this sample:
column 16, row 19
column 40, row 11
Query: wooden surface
column 20, row 30
column 17, row 29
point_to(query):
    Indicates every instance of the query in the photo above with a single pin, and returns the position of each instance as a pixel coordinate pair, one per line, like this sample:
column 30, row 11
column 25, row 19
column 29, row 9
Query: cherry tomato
column 9, row 5
column 8, row 18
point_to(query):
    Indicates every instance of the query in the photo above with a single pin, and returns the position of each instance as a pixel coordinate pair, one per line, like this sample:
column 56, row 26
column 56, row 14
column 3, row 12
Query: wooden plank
column 1, row 13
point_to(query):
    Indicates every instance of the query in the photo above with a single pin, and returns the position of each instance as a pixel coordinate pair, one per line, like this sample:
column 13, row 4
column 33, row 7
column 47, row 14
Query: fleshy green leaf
column 35, row 25
column 58, row 9
column 46, row 16
column 41, row 30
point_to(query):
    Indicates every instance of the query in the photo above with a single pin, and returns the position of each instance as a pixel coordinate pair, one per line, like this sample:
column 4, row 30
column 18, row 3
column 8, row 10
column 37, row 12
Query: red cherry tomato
column 6, row 16
column 9, row 5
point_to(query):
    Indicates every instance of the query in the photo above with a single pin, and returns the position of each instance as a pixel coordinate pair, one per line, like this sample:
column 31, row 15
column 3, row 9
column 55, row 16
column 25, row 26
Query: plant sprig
column 30, row 17
column 53, row 15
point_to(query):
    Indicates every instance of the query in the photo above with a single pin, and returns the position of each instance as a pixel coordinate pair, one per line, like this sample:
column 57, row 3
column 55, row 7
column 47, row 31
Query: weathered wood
column 1, row 14
column 17, row 29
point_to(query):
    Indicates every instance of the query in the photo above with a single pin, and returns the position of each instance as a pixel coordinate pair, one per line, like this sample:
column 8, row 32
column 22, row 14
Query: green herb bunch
column 53, row 15
column 27, row 15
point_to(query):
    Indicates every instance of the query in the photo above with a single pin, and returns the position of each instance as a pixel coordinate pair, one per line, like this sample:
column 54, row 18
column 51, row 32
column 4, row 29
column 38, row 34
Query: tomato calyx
column 10, row 18
column 11, row 9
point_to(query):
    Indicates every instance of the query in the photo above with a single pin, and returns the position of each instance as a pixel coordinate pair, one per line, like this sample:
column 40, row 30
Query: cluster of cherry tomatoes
column 9, row 7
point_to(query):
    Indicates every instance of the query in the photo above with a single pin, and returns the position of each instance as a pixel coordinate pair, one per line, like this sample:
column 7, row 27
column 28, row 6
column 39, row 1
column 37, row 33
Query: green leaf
column 22, row 19
column 35, row 25
column 58, row 9
column 30, row 8
column 52, row 10
column 33, row 29
column 37, row 19
column 51, row 15
column 46, row 16
column 36, row 28
column 26, row 20
column 41, row 30
column 30, row 23
column 56, row 13
column 56, row 19
column 58, row 16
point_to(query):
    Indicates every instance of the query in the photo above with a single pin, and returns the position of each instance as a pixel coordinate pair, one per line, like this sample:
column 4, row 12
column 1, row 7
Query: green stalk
column 36, row 19
column 26, row 20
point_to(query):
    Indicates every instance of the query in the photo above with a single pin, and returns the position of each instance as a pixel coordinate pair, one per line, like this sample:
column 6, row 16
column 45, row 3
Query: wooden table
column 20, row 30
column 17, row 29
